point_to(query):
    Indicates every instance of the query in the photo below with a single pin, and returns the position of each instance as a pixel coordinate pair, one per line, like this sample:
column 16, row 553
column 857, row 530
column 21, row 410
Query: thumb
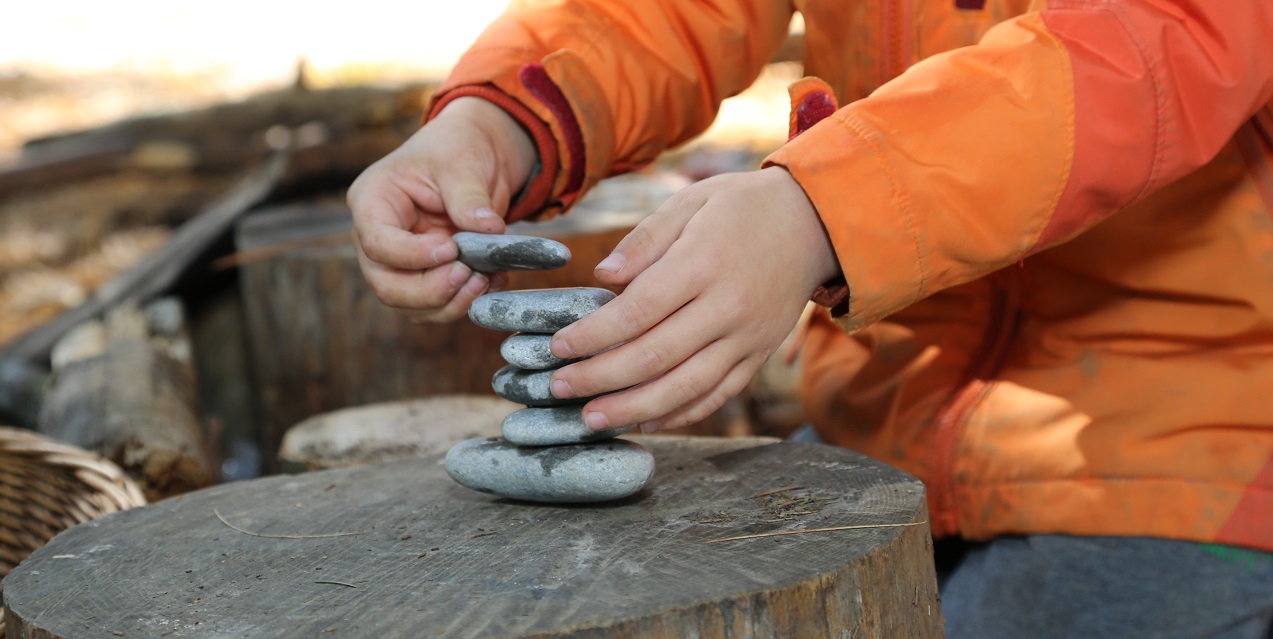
column 468, row 203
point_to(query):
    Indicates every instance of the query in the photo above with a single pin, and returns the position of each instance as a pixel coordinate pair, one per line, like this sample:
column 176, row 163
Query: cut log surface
column 398, row 550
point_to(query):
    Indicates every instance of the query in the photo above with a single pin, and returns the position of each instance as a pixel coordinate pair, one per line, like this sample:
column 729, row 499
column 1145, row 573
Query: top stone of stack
column 495, row 253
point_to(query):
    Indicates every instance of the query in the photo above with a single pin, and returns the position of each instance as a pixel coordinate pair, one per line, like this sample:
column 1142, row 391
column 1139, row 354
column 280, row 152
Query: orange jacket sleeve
column 614, row 83
column 973, row 159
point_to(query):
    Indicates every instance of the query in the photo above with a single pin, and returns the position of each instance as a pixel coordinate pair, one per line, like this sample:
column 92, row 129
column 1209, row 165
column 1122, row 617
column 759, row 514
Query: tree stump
column 399, row 550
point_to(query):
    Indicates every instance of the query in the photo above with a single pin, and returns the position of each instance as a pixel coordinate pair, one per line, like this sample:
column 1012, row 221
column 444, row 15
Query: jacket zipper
column 896, row 45
column 978, row 379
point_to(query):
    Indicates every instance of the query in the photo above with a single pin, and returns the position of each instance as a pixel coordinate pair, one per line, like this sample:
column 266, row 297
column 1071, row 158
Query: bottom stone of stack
column 579, row 473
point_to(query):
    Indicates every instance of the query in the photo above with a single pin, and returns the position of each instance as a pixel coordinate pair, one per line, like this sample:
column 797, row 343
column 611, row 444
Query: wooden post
column 125, row 389
column 735, row 538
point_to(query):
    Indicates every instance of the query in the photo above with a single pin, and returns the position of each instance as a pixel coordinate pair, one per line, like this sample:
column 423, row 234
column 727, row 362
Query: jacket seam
column 1160, row 123
column 1160, row 98
column 858, row 130
column 1071, row 145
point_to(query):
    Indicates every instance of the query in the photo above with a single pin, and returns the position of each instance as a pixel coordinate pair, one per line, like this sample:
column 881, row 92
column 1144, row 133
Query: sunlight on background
column 73, row 64
column 244, row 41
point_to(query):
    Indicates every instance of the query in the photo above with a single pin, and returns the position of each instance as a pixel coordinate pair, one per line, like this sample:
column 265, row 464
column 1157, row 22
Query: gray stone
column 545, row 310
column 490, row 253
column 582, row 473
column 553, row 427
column 529, row 388
column 531, row 351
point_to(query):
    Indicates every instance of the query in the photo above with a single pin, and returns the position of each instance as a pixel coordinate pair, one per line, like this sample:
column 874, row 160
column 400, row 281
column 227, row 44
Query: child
column 1041, row 232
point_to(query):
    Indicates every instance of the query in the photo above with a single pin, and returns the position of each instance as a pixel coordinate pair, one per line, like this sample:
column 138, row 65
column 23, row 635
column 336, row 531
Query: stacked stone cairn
column 546, row 452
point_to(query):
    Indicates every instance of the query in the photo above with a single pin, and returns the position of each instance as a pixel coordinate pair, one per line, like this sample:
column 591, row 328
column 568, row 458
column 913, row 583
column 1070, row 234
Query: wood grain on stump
column 433, row 559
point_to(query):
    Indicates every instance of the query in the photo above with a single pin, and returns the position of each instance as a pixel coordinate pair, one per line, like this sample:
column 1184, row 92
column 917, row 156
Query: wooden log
column 392, row 430
column 158, row 271
column 125, row 389
column 223, row 137
column 398, row 550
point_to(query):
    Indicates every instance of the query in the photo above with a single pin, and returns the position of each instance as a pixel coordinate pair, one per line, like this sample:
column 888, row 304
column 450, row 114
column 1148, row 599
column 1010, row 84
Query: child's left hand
column 717, row 277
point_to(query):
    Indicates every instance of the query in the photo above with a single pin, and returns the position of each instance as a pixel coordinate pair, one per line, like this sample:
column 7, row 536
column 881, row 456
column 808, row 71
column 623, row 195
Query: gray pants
column 1045, row 586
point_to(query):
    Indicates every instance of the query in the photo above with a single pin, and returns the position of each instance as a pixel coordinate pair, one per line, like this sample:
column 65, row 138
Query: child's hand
column 717, row 277
column 455, row 174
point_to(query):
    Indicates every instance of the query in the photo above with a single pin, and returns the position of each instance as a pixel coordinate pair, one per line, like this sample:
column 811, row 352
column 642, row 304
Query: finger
column 663, row 289
column 655, row 352
column 381, row 233
column 467, row 199
column 498, row 282
column 702, row 408
column 477, row 284
column 650, row 240
column 687, row 383
column 419, row 290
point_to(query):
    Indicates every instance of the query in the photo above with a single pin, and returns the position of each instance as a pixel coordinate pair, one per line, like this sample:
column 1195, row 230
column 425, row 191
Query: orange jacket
column 1046, row 365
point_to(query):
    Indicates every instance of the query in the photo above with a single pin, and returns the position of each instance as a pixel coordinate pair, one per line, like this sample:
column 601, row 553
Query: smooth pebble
column 545, row 310
column 492, row 253
column 529, row 388
column 582, row 473
column 553, row 427
column 531, row 351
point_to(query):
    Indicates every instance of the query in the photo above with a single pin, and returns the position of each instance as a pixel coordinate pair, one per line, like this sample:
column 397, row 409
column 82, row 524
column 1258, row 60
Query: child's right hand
column 457, row 173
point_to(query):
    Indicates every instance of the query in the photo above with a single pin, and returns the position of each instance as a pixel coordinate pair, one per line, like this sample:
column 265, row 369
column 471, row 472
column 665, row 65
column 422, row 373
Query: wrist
column 808, row 234
column 512, row 144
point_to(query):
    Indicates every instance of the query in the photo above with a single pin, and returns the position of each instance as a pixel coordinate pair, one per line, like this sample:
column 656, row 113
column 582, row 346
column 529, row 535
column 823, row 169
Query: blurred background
column 75, row 64
column 188, row 162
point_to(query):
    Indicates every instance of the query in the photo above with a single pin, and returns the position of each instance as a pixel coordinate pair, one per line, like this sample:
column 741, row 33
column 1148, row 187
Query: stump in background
column 320, row 340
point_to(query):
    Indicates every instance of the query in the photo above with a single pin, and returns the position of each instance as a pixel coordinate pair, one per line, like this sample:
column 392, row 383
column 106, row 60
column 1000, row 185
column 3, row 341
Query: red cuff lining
column 537, row 81
column 834, row 295
column 813, row 109
column 540, row 189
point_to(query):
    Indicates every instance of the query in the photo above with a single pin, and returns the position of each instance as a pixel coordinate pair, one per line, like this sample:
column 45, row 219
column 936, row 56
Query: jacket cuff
column 874, row 232
column 535, row 195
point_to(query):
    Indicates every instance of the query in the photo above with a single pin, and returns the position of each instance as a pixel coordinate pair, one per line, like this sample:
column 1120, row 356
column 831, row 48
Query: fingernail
column 561, row 349
column 475, row 285
column 650, row 427
column 445, row 253
column 613, row 263
column 562, row 390
column 596, row 421
column 485, row 214
column 458, row 275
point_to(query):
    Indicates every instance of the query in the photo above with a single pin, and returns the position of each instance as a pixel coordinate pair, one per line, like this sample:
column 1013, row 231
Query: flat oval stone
column 491, row 253
column 553, row 427
column 529, row 388
column 582, row 473
column 531, row 351
column 545, row 310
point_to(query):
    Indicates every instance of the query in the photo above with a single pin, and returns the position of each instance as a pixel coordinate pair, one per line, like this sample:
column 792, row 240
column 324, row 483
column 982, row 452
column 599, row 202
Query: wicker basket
column 46, row 487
